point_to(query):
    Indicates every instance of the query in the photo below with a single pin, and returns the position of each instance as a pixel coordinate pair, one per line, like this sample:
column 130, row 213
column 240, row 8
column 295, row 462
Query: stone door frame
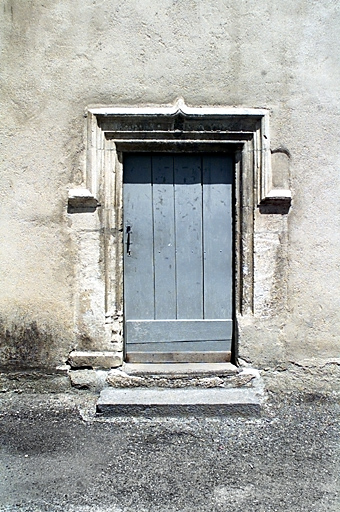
column 114, row 130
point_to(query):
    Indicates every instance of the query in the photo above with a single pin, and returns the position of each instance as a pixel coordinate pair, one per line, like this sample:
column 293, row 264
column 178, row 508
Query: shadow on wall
column 277, row 208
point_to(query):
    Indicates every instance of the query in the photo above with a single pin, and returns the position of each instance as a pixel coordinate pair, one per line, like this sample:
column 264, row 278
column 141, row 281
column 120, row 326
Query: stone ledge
column 194, row 378
column 276, row 201
column 178, row 402
column 182, row 376
column 179, row 369
column 278, row 194
column 95, row 360
column 81, row 200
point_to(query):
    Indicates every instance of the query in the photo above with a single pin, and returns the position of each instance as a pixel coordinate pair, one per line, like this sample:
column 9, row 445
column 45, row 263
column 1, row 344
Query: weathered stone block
column 95, row 359
column 88, row 379
column 120, row 379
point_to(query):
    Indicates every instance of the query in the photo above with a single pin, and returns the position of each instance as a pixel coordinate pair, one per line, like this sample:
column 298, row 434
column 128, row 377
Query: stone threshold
column 170, row 370
column 180, row 375
column 169, row 375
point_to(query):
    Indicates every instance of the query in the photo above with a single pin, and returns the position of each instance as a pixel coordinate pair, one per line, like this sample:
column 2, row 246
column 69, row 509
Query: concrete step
column 178, row 402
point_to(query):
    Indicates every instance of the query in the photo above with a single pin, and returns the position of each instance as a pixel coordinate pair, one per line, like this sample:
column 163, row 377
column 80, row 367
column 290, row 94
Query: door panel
column 217, row 236
column 188, row 220
column 178, row 254
column 139, row 286
column 164, row 236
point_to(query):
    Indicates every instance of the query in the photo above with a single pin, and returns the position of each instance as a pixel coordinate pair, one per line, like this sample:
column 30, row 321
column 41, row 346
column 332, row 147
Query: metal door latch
column 128, row 240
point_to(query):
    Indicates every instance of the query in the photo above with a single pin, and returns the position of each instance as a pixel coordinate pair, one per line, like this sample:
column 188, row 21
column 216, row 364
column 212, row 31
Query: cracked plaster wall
column 59, row 57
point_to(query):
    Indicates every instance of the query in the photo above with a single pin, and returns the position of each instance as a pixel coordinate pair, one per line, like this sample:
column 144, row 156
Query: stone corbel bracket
column 81, row 200
column 278, row 197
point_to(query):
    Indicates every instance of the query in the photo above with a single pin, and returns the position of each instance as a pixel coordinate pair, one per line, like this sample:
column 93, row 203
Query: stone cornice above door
column 180, row 127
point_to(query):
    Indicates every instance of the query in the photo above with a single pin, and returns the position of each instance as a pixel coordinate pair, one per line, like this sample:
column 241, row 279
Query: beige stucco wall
column 57, row 58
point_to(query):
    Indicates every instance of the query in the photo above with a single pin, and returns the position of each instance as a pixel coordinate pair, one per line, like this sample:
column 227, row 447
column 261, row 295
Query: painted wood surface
column 164, row 236
column 206, row 356
column 217, row 236
column 139, row 219
column 178, row 251
column 181, row 346
column 181, row 330
column 188, row 220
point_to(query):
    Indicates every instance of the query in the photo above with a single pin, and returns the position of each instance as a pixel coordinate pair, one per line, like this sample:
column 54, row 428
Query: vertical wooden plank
column 164, row 236
column 138, row 266
column 188, row 222
column 117, row 274
column 217, row 236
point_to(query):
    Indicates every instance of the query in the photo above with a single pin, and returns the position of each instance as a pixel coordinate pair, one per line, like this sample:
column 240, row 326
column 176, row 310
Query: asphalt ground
column 56, row 455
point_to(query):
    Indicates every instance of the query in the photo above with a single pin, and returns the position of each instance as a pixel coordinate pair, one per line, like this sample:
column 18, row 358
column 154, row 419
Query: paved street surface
column 57, row 456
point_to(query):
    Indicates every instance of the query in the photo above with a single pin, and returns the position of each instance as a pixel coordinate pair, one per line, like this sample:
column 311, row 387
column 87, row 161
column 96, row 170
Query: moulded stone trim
column 241, row 125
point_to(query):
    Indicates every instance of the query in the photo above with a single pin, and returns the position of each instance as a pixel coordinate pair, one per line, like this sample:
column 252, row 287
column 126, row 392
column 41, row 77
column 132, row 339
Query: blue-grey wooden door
column 178, row 240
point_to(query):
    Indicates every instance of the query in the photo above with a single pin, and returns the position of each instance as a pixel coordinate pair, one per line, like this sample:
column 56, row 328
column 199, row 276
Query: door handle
column 128, row 240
